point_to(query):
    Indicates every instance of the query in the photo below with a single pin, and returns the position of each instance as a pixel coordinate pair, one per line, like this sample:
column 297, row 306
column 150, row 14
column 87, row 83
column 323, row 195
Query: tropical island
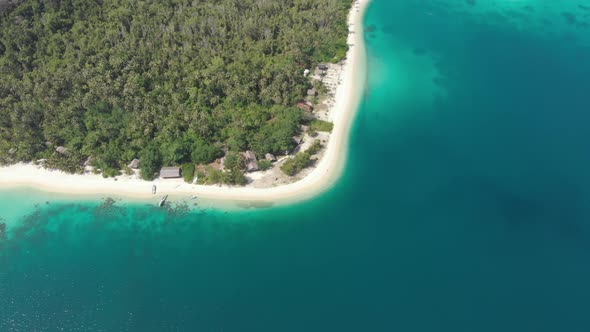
column 216, row 93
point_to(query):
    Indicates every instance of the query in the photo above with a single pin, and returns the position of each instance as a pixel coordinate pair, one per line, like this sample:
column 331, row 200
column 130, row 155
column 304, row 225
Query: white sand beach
column 323, row 176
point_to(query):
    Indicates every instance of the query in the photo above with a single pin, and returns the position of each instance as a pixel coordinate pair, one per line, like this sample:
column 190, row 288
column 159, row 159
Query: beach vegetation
column 127, row 170
column 315, row 147
column 151, row 162
column 188, row 172
column 321, row 125
column 320, row 87
column 312, row 132
column 233, row 160
column 214, row 176
column 264, row 164
column 172, row 82
column 301, row 160
column 235, row 177
column 204, row 152
column 201, row 177
column 110, row 172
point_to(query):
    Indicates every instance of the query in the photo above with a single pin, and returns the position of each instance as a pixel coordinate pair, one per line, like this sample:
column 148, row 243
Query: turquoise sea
column 465, row 204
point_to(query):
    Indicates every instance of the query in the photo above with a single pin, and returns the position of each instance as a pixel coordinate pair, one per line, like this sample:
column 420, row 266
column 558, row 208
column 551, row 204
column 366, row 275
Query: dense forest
column 169, row 82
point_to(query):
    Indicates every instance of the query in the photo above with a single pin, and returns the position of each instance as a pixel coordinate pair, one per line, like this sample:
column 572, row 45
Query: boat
column 193, row 197
column 163, row 201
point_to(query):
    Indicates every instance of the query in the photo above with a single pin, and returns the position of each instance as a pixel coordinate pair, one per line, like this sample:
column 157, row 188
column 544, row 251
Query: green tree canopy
column 169, row 81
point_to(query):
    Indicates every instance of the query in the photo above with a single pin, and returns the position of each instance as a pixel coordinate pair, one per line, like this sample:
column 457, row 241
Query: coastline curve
column 329, row 169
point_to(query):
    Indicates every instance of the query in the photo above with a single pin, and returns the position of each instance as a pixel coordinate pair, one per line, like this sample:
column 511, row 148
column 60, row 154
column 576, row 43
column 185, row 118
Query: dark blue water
column 464, row 206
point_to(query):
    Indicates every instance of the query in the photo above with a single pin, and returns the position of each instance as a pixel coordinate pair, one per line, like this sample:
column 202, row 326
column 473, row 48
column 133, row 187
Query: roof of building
column 170, row 172
column 251, row 164
column 250, row 155
column 270, row 156
column 304, row 106
column 134, row 163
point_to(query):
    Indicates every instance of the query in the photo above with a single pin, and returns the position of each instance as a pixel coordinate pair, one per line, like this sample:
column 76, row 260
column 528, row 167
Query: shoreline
column 329, row 169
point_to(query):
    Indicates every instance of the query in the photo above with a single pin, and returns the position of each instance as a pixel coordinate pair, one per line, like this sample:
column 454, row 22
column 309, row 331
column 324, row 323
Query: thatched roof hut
column 304, row 106
column 134, row 164
column 250, row 161
column 170, row 172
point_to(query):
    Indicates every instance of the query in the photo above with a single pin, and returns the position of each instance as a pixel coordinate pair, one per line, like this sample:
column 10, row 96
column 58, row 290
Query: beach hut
column 250, row 161
column 134, row 164
column 270, row 157
column 61, row 149
column 305, row 106
column 170, row 172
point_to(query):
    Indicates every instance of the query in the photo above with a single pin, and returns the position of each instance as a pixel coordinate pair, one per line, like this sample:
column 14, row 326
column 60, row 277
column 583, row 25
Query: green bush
column 151, row 161
column 188, row 172
column 312, row 132
column 321, row 125
column 215, row 176
column 201, row 178
column 233, row 161
column 301, row 160
column 204, row 153
column 315, row 147
column 110, row 172
column 127, row 170
column 264, row 164
column 295, row 165
column 235, row 177
column 289, row 167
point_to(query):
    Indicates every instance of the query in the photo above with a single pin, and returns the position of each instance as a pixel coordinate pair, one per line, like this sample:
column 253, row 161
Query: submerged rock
column 2, row 230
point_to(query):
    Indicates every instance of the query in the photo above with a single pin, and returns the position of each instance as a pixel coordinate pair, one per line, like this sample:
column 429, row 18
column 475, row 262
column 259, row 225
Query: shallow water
column 464, row 205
